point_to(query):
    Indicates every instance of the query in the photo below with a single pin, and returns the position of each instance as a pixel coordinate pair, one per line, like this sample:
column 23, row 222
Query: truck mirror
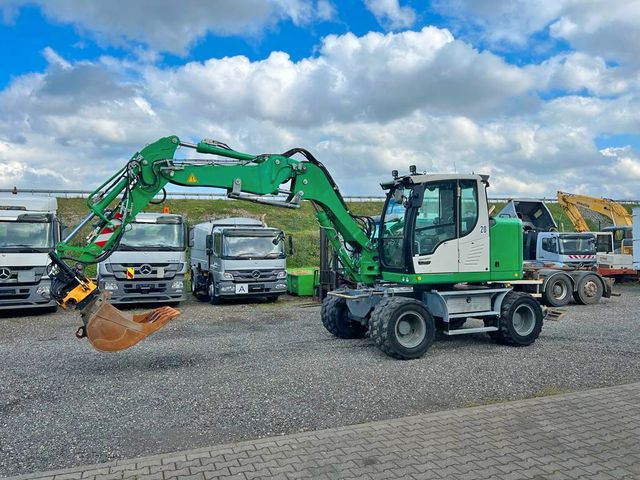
column 291, row 249
column 64, row 231
column 209, row 242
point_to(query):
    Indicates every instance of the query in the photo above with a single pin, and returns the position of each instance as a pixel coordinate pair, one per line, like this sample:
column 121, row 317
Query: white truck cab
column 150, row 262
column 237, row 257
column 29, row 229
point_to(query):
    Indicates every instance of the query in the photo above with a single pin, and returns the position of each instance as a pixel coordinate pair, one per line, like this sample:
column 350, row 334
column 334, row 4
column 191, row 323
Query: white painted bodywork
column 466, row 254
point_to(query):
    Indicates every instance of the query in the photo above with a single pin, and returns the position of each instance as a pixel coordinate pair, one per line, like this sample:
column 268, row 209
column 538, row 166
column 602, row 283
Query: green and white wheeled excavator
column 436, row 259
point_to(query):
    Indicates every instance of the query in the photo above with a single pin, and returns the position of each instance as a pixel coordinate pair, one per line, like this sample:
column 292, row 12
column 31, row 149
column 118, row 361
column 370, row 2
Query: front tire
column 335, row 318
column 402, row 327
column 214, row 298
column 589, row 290
column 520, row 321
column 557, row 292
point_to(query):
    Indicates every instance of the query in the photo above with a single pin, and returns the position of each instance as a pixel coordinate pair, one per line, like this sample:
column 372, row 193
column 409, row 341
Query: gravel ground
column 221, row 374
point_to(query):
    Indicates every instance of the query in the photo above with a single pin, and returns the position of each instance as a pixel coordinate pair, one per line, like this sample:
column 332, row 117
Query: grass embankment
column 299, row 223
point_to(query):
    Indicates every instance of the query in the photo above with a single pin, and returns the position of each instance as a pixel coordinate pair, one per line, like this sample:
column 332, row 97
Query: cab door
column 473, row 228
column 435, row 229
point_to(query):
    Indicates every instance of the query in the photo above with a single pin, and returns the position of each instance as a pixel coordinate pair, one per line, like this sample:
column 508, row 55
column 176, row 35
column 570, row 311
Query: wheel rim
column 590, row 289
column 410, row 329
column 212, row 290
column 559, row 290
column 193, row 283
column 524, row 320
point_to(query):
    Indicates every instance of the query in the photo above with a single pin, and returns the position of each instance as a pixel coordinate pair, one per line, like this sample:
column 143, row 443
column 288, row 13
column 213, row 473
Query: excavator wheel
column 110, row 330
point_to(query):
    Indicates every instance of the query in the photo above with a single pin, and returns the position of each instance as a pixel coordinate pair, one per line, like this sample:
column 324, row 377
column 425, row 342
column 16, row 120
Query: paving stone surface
column 593, row 434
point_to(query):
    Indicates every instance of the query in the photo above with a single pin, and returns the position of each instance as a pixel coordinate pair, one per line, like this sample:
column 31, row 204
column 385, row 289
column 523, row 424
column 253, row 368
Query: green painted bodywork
column 151, row 169
column 505, row 240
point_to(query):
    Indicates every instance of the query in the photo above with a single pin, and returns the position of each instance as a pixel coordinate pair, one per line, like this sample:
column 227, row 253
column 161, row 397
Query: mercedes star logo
column 5, row 274
column 255, row 274
column 145, row 269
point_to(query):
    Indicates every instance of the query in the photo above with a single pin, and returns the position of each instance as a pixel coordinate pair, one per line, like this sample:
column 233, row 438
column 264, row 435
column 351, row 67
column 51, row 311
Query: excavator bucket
column 110, row 330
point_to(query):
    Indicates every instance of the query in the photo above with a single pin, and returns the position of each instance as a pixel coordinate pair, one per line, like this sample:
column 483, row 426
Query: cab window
column 392, row 229
column 468, row 206
column 436, row 218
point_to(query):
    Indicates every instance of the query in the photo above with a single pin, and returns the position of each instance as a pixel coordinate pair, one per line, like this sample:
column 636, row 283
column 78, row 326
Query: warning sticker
column 130, row 273
column 192, row 179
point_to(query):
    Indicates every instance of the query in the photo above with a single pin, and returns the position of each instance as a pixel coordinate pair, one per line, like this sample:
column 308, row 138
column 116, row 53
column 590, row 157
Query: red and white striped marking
column 107, row 232
column 581, row 257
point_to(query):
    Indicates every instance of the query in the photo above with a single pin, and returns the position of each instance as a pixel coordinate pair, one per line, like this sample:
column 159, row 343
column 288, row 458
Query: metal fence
column 223, row 196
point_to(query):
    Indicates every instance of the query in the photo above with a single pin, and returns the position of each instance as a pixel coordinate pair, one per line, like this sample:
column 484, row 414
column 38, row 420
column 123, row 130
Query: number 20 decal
column 483, row 229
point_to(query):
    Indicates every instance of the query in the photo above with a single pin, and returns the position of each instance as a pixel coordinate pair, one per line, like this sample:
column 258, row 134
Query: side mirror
column 191, row 236
column 291, row 249
column 209, row 242
column 64, row 231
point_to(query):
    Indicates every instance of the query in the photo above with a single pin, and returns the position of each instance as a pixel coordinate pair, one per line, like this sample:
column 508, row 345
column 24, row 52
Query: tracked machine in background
column 438, row 259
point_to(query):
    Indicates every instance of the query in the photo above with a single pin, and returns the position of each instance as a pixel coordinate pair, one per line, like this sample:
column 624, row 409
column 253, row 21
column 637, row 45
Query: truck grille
column 21, row 275
column 254, row 275
column 145, row 271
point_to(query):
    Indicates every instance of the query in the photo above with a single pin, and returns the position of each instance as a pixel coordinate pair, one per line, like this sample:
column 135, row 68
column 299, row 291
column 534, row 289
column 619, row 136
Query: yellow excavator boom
column 571, row 204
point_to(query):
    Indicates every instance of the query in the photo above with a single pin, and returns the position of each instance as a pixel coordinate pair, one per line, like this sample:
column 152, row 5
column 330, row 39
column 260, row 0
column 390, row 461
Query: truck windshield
column 20, row 235
column 577, row 245
column 153, row 236
column 248, row 246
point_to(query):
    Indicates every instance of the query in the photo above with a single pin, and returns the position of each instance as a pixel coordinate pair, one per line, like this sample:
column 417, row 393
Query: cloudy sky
column 541, row 94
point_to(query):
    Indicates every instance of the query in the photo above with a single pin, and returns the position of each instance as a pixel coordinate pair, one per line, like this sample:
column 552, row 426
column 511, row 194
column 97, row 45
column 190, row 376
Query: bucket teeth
column 110, row 330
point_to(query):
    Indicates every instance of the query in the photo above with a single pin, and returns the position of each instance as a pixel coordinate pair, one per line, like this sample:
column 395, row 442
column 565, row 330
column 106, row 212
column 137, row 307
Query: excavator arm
column 604, row 206
column 255, row 178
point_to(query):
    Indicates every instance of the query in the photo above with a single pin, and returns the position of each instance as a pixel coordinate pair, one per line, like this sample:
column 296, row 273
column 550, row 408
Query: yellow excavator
column 619, row 216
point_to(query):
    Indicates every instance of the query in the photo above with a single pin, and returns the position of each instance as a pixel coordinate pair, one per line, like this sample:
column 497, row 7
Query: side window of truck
column 217, row 244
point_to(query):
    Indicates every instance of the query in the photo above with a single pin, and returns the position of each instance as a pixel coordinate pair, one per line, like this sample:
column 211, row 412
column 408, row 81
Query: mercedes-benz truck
column 237, row 257
column 29, row 229
column 150, row 262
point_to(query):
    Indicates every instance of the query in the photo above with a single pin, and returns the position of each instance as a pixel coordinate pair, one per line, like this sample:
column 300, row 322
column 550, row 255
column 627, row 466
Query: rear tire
column 402, row 327
column 520, row 320
column 335, row 318
column 589, row 290
column 557, row 292
column 196, row 293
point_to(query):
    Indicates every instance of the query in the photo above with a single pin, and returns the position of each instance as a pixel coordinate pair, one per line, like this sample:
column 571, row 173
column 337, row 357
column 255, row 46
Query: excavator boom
column 256, row 178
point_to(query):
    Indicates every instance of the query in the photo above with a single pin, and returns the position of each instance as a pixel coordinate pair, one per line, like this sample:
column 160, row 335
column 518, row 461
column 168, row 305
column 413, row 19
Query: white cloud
column 364, row 105
column 170, row 26
column 609, row 29
column 390, row 14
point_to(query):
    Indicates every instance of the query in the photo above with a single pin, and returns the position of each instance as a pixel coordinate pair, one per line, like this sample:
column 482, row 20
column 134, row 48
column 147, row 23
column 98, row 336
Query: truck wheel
column 520, row 320
column 335, row 318
column 214, row 298
column 589, row 290
column 557, row 292
column 199, row 295
column 402, row 327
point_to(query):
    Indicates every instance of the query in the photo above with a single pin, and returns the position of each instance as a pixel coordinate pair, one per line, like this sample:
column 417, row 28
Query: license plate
column 145, row 287
column 242, row 288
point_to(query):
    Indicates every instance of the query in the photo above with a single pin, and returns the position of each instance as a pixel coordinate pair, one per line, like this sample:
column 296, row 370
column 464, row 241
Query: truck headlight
column 282, row 274
column 227, row 276
column 177, row 284
column 110, row 286
column 44, row 291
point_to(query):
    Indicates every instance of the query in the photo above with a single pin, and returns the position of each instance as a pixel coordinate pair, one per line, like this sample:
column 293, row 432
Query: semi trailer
column 558, row 266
